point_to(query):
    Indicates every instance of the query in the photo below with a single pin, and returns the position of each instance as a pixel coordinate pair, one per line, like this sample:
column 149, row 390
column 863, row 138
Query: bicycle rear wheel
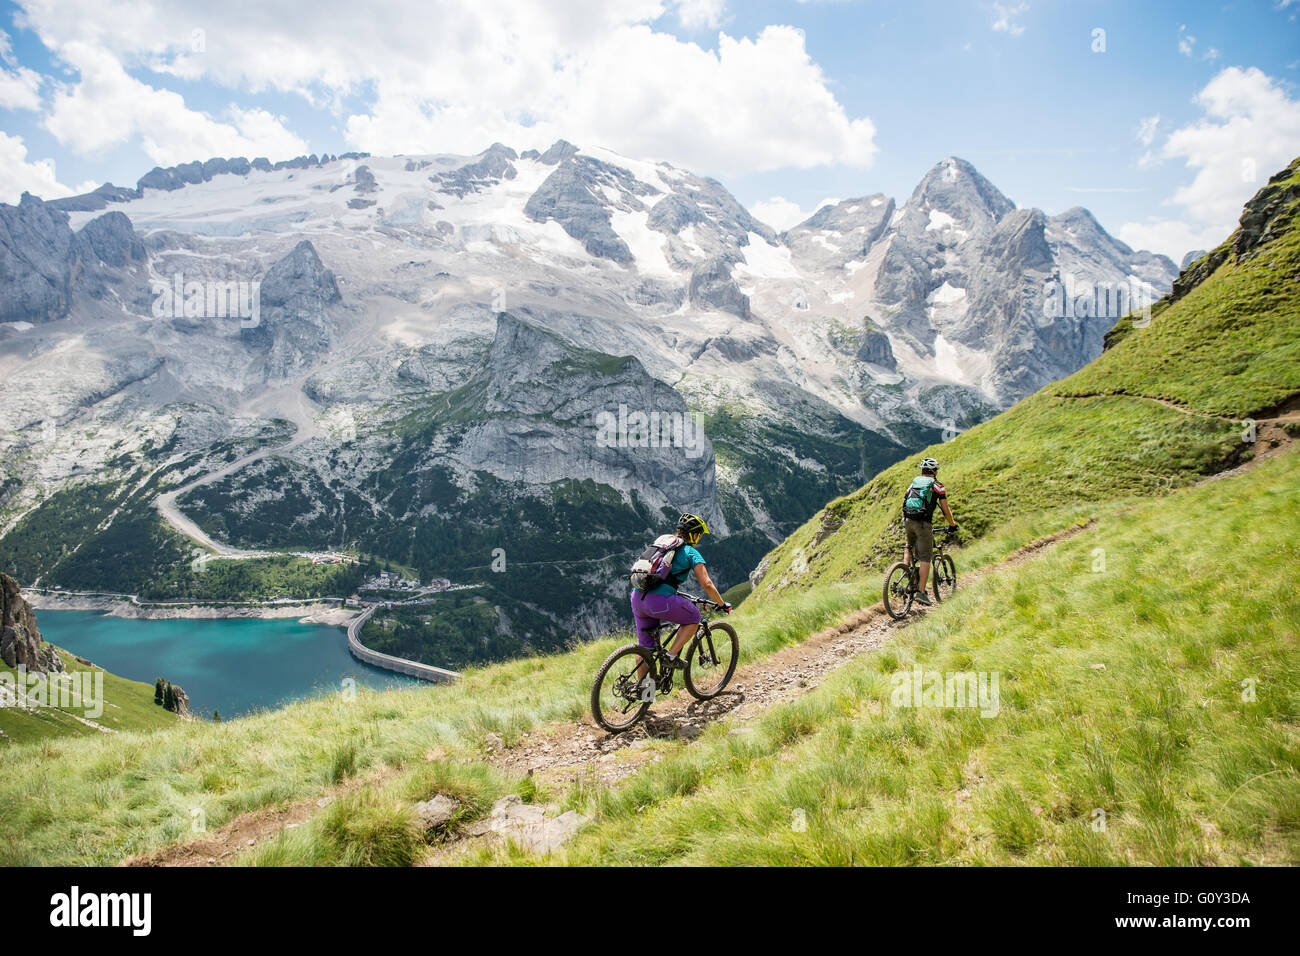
column 945, row 578
column 711, row 660
column 614, row 700
column 897, row 593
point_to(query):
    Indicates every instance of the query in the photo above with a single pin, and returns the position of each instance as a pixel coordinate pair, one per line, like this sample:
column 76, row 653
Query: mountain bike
column 902, row 578
column 621, row 696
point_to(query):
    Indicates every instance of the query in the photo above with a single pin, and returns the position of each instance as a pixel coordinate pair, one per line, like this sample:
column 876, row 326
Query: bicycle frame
column 667, row 630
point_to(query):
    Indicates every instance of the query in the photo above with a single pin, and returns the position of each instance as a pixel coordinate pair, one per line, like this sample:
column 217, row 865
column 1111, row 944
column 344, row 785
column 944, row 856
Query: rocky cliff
column 20, row 639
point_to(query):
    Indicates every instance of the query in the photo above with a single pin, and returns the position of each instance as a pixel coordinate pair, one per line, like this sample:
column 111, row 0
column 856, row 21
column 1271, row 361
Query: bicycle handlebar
column 702, row 602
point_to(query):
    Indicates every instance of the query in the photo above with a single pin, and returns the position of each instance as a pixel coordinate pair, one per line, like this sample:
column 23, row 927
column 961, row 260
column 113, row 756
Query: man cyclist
column 663, row 603
column 925, row 493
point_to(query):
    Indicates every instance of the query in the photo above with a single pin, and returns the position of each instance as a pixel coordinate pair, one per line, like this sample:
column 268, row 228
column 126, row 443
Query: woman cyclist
column 663, row 603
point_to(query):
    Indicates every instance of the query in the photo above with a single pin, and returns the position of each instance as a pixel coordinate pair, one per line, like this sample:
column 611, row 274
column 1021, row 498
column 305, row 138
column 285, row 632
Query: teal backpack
column 919, row 495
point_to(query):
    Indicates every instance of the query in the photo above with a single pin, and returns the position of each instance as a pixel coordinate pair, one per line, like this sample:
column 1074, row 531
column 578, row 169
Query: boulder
column 528, row 825
column 435, row 812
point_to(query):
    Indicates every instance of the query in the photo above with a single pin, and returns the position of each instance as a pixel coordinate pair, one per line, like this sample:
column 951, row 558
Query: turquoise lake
column 235, row 665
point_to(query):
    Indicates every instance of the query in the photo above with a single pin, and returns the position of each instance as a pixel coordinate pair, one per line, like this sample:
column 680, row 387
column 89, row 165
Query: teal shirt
column 683, row 564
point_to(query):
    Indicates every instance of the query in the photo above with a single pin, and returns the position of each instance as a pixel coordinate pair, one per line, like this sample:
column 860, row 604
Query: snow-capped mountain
column 464, row 345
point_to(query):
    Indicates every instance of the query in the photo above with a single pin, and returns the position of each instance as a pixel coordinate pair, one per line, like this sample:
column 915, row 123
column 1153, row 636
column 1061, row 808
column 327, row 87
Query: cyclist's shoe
column 922, row 598
column 645, row 690
column 672, row 662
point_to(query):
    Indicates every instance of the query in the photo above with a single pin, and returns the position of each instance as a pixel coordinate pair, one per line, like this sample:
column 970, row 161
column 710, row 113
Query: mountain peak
column 955, row 187
column 559, row 151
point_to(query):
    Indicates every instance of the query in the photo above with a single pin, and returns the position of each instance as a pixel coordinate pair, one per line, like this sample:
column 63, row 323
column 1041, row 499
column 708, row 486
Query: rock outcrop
column 572, row 196
column 111, row 239
column 38, row 262
column 543, row 404
column 294, row 326
column 1264, row 218
column 43, row 263
column 713, row 289
column 492, row 165
column 838, row 234
column 20, row 639
column 875, row 348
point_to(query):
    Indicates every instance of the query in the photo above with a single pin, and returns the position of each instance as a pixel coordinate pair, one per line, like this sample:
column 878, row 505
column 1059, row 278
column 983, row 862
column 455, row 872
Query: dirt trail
column 560, row 753
column 249, row 829
column 563, row 752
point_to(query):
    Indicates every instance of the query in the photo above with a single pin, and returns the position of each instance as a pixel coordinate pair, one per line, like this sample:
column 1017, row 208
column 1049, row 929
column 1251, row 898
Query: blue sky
column 1162, row 125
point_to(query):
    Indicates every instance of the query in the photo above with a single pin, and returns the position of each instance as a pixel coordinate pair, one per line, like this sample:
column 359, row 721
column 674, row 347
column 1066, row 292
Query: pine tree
column 216, row 716
column 158, row 691
column 169, row 698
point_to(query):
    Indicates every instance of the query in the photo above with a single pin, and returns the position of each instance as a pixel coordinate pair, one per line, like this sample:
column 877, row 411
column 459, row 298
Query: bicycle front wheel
column 897, row 592
column 711, row 660
column 945, row 578
column 615, row 703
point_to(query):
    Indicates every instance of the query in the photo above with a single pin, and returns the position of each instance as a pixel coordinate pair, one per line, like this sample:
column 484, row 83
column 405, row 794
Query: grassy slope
column 1228, row 348
column 128, row 705
column 1120, row 690
column 99, row 799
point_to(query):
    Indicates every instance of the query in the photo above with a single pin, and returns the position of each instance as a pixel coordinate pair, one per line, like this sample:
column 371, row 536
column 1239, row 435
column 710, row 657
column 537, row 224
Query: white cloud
column 106, row 106
column 1211, row 54
column 700, row 14
column 1251, row 129
column 440, row 75
column 1146, row 131
column 1171, row 237
column 20, row 88
column 1186, row 42
column 17, row 175
column 1006, row 18
column 779, row 213
column 782, row 214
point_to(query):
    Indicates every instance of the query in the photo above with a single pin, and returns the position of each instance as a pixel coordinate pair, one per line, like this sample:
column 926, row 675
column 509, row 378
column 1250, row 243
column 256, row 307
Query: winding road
column 288, row 401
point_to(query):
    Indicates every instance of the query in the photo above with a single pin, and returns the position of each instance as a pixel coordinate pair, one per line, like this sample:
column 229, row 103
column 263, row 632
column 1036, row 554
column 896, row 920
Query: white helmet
column 929, row 464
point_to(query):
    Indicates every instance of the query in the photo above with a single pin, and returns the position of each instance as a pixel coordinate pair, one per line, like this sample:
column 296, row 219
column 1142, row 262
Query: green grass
column 1225, row 351
column 1045, row 454
column 127, row 705
column 1227, row 348
column 100, row 799
column 1122, row 690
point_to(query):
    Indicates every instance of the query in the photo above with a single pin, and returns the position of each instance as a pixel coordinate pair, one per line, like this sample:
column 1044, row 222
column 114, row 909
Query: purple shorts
column 650, row 609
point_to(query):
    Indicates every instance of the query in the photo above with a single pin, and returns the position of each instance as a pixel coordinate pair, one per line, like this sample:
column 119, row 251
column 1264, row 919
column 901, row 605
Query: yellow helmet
column 691, row 526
